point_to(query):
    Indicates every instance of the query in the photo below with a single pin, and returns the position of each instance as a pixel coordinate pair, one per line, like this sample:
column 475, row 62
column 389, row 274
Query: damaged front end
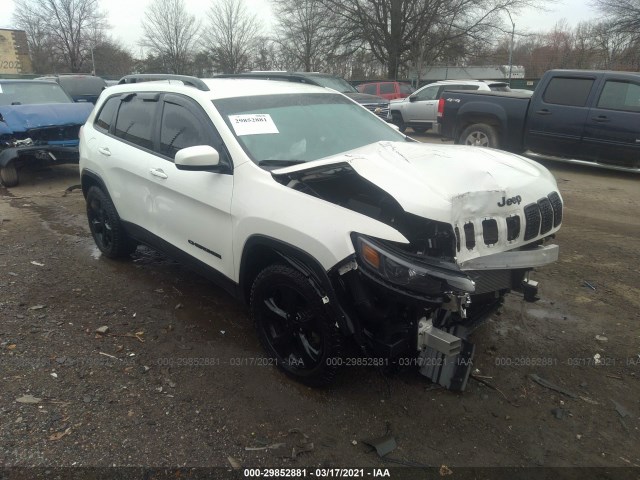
column 38, row 134
column 416, row 303
column 55, row 143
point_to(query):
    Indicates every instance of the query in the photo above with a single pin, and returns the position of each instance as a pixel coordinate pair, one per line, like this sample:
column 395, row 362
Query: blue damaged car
column 39, row 123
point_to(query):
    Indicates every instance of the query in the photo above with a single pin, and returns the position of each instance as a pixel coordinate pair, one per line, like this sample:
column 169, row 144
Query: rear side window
column 387, row 88
column 180, row 129
column 106, row 115
column 458, row 87
column 568, row 91
column 135, row 121
column 620, row 95
column 370, row 89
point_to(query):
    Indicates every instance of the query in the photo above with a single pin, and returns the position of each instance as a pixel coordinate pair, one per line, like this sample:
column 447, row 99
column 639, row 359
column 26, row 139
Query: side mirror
column 198, row 158
column 412, row 98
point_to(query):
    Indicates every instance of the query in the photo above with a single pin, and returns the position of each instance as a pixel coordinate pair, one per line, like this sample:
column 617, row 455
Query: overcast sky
column 125, row 16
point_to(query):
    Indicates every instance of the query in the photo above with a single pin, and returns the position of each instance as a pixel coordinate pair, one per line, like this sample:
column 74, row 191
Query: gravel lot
column 177, row 380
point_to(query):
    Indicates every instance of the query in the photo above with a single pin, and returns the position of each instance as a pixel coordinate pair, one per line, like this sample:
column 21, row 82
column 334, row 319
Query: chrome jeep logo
column 510, row 201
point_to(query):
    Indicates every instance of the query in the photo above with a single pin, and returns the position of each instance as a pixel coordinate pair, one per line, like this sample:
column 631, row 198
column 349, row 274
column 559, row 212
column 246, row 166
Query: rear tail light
column 440, row 107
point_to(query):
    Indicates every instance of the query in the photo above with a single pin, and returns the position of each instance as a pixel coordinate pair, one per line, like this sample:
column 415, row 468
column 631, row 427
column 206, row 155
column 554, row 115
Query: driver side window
column 179, row 129
column 429, row 93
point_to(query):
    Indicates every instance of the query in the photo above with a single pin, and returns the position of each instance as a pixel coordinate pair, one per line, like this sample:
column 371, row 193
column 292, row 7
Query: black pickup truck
column 576, row 116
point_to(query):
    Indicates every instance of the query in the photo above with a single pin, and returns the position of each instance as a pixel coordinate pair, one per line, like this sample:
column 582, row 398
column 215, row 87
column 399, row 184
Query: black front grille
column 490, row 231
column 547, row 215
column 491, row 280
column 532, row 221
column 457, row 232
column 556, row 203
column 470, row 235
column 513, row 227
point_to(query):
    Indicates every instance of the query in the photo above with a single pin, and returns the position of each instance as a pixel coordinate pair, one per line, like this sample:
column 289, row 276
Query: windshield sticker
column 253, row 124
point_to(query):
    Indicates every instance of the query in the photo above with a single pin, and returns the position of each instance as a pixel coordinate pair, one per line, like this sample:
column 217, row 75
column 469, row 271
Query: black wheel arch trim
column 89, row 178
column 305, row 264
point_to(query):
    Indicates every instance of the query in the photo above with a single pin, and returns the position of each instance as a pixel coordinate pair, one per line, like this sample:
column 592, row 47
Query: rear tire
column 480, row 135
column 106, row 228
column 293, row 326
column 9, row 174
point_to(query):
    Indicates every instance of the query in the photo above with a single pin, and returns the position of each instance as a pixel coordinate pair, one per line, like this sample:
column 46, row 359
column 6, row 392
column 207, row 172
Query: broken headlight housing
column 398, row 269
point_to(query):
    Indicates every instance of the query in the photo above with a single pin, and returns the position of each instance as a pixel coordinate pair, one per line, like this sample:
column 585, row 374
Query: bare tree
column 624, row 15
column 233, row 36
column 418, row 31
column 309, row 34
column 269, row 56
column 67, row 26
column 588, row 45
column 112, row 59
column 171, row 33
column 40, row 45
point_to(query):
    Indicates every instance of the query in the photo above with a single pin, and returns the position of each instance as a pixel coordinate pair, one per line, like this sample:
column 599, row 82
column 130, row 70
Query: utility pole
column 93, row 62
column 513, row 32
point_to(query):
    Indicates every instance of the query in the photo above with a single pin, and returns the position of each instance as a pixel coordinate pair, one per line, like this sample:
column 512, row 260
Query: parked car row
column 419, row 110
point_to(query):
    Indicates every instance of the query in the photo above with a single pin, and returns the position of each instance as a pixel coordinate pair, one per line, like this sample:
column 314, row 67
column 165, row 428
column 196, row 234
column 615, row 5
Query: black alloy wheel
column 294, row 327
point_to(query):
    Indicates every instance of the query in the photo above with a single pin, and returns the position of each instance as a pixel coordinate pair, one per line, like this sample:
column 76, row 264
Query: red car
column 388, row 90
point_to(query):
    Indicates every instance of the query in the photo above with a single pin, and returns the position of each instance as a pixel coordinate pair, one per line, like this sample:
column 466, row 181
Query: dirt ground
column 177, row 380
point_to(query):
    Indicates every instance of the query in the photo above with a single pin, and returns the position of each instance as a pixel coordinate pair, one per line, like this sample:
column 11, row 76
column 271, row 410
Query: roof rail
column 155, row 77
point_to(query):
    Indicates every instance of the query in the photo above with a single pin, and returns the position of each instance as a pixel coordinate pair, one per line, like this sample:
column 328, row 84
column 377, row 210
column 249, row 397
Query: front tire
column 480, row 135
column 294, row 327
column 106, row 228
column 9, row 175
column 397, row 120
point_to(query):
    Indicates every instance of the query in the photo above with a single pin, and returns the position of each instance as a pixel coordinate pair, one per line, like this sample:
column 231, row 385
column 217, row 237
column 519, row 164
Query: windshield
column 337, row 83
column 28, row 93
column 77, row 85
column 296, row 128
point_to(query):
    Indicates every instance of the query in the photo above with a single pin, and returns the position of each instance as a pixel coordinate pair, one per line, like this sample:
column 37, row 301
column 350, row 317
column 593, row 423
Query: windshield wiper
column 279, row 163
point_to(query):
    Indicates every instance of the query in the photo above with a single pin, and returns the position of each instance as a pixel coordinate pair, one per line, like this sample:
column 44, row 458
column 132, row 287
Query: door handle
column 600, row 118
column 104, row 151
column 544, row 111
column 157, row 172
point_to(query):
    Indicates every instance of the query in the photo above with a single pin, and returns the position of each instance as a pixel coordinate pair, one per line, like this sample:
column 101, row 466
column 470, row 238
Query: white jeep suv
column 325, row 219
column 420, row 109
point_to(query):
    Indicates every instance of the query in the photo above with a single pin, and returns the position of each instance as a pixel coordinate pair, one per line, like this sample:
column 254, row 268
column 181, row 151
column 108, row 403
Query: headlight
column 399, row 271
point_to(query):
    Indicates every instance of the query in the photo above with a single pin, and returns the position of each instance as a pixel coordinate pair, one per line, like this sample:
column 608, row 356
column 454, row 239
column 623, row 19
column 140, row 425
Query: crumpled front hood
column 22, row 118
column 445, row 182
